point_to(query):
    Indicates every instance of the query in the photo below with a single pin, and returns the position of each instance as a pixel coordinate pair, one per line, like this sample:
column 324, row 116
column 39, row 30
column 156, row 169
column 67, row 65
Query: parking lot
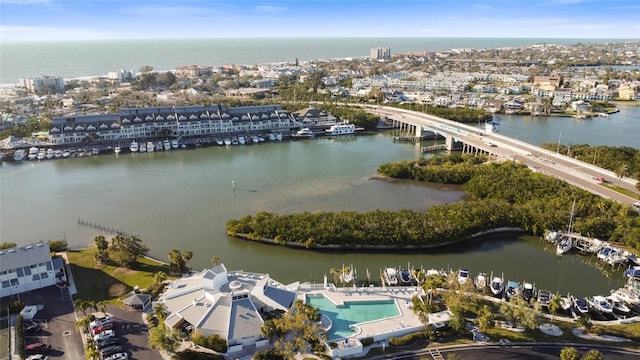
column 56, row 320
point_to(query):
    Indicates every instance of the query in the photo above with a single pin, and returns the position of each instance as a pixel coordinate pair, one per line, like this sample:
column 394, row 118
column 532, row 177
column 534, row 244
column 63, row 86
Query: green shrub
column 407, row 339
column 20, row 329
column 15, row 307
column 366, row 341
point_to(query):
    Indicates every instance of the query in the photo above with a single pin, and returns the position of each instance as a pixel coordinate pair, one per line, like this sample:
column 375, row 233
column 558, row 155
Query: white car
column 636, row 205
column 107, row 334
column 118, row 356
column 99, row 321
column 38, row 357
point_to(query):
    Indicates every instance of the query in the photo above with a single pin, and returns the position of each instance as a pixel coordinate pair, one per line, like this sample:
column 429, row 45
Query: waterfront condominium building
column 45, row 84
column 26, row 268
column 163, row 121
column 380, row 53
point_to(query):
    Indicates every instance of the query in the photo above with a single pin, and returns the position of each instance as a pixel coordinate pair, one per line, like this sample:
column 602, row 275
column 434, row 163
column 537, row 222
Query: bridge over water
column 470, row 139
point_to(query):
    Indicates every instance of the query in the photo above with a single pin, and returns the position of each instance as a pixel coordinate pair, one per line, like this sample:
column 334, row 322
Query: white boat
column 304, row 133
column 95, row 151
column 347, row 275
column 58, row 154
column 159, row 146
column 497, row 285
column 527, row 291
column 580, row 306
column 142, row 147
column 42, row 154
column 134, row 146
column 174, row 144
column 512, row 290
column 341, row 129
column 481, row 280
column 234, row 140
column 544, row 297
column 117, row 149
column 272, row 137
column 600, row 304
column 242, row 140
column 564, row 245
column 278, row 136
column 565, row 303
column 19, row 155
column 227, row 141
column 50, row 153
column 463, row 276
column 66, row 153
column 167, row 145
column 220, row 142
column 33, row 153
column 390, row 276
column 151, row 147
column 618, row 305
column 627, row 296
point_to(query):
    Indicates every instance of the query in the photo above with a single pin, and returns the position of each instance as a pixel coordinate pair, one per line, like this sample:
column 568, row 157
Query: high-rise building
column 45, row 84
column 380, row 53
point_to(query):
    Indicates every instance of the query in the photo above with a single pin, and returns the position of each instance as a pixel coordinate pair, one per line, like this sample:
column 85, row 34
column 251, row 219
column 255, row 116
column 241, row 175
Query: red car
column 38, row 348
column 601, row 179
column 102, row 327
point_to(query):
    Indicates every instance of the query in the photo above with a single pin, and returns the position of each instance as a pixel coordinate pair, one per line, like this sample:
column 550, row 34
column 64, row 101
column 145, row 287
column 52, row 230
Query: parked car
column 99, row 321
column 32, row 329
column 110, row 350
column 107, row 334
column 108, row 342
column 636, row 205
column 38, row 357
column 118, row 356
column 38, row 348
column 102, row 327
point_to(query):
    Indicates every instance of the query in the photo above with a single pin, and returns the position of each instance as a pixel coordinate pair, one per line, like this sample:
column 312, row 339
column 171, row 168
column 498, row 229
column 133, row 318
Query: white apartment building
column 47, row 84
column 26, row 268
column 122, row 75
column 380, row 53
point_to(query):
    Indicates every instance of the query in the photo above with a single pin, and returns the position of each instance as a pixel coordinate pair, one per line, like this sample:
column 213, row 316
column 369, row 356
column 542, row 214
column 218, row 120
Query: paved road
column 135, row 338
column 571, row 170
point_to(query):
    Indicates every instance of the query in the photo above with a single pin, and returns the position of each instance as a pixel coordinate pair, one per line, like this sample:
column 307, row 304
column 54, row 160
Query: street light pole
column 558, row 148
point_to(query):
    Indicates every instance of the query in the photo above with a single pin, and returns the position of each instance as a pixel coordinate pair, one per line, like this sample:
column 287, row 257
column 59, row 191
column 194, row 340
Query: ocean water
column 91, row 58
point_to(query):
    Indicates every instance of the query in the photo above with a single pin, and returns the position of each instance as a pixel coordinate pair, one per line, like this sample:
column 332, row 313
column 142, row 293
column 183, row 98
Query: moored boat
column 33, row 153
column 304, row 133
column 580, row 306
column 463, row 276
column 151, row 147
column 278, row 136
column 58, row 153
column 42, row 154
column 50, row 153
column 66, row 153
column 527, row 291
column 544, row 297
column 627, row 295
column 227, row 141
column 618, row 305
column 220, row 142
column 175, row 144
column 600, row 304
column 142, row 147
column 512, row 290
column 564, row 245
column 134, row 146
column 390, row 276
column 341, row 129
column 167, row 145
column 117, row 149
column 405, row 277
column 552, row 235
column 481, row 280
column 19, row 155
column 497, row 285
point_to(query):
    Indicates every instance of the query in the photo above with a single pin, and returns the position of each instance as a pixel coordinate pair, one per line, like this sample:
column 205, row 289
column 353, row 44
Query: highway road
column 571, row 170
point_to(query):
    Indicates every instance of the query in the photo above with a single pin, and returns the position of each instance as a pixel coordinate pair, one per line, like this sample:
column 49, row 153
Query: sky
column 62, row 20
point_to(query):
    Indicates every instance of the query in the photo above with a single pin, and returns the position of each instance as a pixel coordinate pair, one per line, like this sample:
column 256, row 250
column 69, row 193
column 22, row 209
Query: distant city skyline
column 63, row 20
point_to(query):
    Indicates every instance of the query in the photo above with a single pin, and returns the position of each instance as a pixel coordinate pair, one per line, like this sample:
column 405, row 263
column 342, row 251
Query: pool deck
column 378, row 328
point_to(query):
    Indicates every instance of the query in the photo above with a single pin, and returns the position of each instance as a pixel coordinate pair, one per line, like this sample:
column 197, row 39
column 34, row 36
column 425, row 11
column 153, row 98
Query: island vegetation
column 503, row 194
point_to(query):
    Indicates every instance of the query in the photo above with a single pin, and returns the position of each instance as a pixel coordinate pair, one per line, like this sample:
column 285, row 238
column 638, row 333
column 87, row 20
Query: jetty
column 104, row 228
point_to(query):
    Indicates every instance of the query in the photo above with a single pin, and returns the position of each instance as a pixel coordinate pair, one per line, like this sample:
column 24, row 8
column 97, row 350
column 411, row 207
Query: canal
column 182, row 199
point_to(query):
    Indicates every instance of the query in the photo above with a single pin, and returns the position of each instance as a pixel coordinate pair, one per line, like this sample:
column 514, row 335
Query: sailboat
column 566, row 243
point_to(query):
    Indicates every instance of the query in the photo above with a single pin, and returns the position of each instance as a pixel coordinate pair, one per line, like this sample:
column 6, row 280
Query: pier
column 104, row 228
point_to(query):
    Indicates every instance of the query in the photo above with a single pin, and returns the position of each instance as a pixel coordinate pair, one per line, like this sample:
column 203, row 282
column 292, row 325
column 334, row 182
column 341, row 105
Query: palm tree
column 186, row 256
column 159, row 277
column 84, row 305
column 102, row 306
column 337, row 279
column 555, row 304
column 160, row 311
column 175, row 258
column 82, row 323
column 622, row 172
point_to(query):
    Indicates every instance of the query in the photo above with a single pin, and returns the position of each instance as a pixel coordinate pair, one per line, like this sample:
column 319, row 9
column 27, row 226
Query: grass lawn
column 108, row 282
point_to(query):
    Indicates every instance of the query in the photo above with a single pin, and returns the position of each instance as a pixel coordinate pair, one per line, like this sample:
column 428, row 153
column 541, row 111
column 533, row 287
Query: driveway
column 133, row 332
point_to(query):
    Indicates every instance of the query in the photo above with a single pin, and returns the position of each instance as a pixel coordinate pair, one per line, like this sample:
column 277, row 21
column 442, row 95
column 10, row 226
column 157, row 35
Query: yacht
column 158, row 146
column 95, row 151
column 117, row 149
column 552, row 235
column 66, row 153
column 50, row 153
column 565, row 303
column 564, row 245
column 19, row 155
column 580, row 306
column 151, row 147
column 600, row 304
column 390, row 276
column 227, row 141
column 167, row 145
column 58, row 154
column 497, row 285
column 134, row 146
column 242, row 140
column 142, row 147
column 481, row 280
column 174, row 144
column 42, row 154
column 278, row 136
column 618, row 305
column 341, row 129
column 272, row 137
column 405, row 277
column 512, row 290
column 463, row 276
column 627, row 296
column 234, row 140
column 255, row 139
column 304, row 133
column 527, row 291
column 33, row 153
column 544, row 297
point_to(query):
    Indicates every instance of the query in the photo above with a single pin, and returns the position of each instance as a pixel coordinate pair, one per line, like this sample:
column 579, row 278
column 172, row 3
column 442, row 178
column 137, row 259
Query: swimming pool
column 353, row 312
